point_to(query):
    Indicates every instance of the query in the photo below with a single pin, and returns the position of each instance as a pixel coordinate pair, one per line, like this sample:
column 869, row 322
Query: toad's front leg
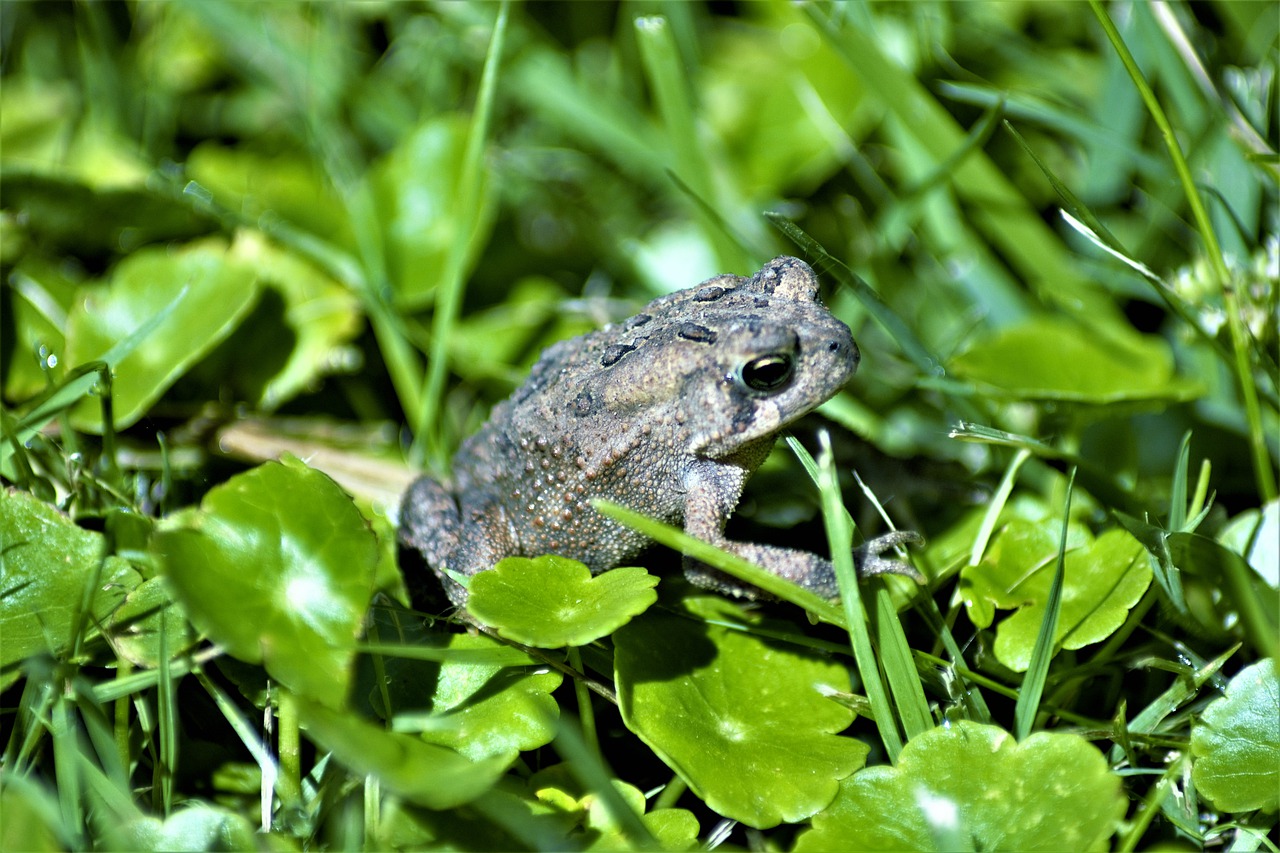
column 713, row 492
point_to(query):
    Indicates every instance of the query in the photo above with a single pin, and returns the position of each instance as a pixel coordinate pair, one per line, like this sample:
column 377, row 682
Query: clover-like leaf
column 433, row 776
column 476, row 695
column 46, row 564
column 201, row 294
column 746, row 721
column 1052, row 359
column 550, row 602
column 1237, row 743
column 1103, row 580
column 277, row 566
column 971, row 786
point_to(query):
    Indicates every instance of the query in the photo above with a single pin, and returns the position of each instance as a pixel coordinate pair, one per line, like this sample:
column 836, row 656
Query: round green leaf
column 745, row 721
column 430, row 775
column 1237, row 743
column 1102, row 583
column 550, row 602
column 1051, row 359
column 47, row 561
column 970, row 786
column 476, row 695
column 277, row 566
column 200, row 295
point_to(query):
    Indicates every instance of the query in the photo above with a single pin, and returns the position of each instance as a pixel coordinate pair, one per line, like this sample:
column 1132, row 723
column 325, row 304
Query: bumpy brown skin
column 667, row 413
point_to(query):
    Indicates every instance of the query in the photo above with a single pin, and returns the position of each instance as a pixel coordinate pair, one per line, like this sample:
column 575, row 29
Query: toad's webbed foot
column 868, row 560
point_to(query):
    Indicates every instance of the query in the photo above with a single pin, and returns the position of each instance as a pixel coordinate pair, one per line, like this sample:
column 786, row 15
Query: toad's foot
column 868, row 560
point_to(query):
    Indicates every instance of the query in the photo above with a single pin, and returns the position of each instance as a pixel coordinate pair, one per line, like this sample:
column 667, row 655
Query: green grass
column 345, row 231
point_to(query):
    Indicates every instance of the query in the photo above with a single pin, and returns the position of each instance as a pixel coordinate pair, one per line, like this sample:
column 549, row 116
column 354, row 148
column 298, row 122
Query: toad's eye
column 769, row 373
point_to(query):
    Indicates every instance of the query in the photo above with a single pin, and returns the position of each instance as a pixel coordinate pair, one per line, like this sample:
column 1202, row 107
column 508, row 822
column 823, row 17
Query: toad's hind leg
column 429, row 521
column 457, row 539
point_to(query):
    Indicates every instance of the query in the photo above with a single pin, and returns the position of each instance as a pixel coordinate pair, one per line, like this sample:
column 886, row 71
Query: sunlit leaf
column 1103, row 580
column 971, row 786
column 480, row 707
column 1237, row 743
column 747, row 722
column 550, row 602
column 1051, row 359
column 277, row 566
column 433, row 776
column 205, row 294
column 46, row 564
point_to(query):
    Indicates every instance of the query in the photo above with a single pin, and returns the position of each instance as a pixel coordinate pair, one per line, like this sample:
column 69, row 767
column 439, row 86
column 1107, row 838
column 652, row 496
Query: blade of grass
column 66, row 765
column 1028, row 705
column 94, row 724
column 998, row 209
column 1263, row 473
column 1174, row 697
column 899, row 663
column 1178, row 491
column 245, row 730
column 678, row 540
column 166, row 727
column 35, row 706
column 840, row 541
column 589, row 769
column 896, row 657
column 996, row 505
column 426, row 419
column 1168, row 576
column 972, row 695
column 1151, row 804
column 668, row 80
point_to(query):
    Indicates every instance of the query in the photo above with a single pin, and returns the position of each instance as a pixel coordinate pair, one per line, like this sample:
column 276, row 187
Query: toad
column 667, row 413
